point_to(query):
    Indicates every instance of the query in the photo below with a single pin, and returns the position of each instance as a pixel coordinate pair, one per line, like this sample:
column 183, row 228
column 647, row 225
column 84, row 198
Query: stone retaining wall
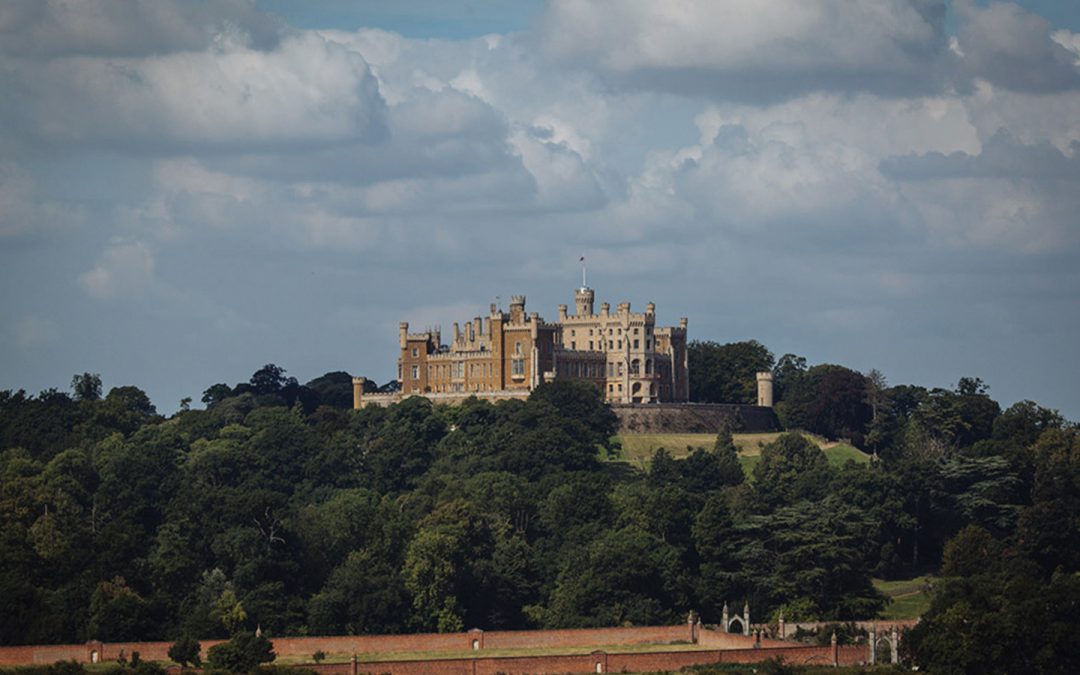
column 693, row 418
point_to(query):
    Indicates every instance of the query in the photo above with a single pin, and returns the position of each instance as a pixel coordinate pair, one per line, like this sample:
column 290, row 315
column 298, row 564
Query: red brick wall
column 306, row 646
column 728, row 648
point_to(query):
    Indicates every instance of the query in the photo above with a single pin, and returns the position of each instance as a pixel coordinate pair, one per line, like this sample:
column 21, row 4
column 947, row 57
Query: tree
column 241, row 654
column 727, row 458
column 270, row 379
column 86, row 387
column 726, row 373
column 335, row 389
column 791, row 468
column 216, row 394
column 788, row 369
column 829, row 400
column 185, row 651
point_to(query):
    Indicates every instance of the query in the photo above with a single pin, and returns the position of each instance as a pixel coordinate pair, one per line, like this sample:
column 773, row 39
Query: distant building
column 507, row 355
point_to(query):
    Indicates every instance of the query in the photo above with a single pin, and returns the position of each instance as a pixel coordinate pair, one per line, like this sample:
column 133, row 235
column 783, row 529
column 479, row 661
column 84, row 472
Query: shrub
column 185, row 651
column 241, row 654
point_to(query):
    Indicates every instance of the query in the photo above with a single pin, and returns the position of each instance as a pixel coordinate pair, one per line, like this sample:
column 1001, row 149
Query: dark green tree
column 791, row 469
column 186, row 651
column 241, row 654
column 726, row 373
column 86, row 387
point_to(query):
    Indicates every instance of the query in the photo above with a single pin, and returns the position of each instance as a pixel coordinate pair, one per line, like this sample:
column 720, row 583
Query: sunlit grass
column 908, row 599
column 638, row 449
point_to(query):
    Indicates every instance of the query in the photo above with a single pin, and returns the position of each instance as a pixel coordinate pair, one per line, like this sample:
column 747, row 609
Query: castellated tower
column 583, row 299
column 765, row 389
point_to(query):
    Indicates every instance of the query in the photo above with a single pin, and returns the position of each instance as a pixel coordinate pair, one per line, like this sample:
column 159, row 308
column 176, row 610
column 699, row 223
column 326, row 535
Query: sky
column 190, row 190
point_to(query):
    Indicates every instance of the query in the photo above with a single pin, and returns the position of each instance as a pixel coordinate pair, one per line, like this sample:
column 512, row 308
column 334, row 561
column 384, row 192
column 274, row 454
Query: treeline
column 279, row 507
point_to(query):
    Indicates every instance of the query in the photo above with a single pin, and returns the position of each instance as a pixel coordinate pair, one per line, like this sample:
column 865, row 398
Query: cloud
column 1012, row 48
column 747, row 50
column 228, row 97
column 1001, row 157
column 25, row 211
column 123, row 269
column 34, row 331
column 48, row 28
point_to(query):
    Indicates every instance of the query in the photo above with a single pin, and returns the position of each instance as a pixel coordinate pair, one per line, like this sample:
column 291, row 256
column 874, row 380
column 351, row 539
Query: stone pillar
column 746, row 618
column 358, row 392
column 895, row 645
column 691, row 622
column 724, row 621
column 355, row 665
column 765, row 389
column 873, row 644
column 835, row 651
column 781, row 628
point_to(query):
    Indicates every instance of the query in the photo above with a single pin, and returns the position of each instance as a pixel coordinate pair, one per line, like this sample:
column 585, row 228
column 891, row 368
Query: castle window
column 635, row 331
column 620, row 375
column 517, row 367
column 572, row 332
column 415, row 352
column 620, row 344
column 416, row 372
column 573, row 345
column 517, row 347
column 590, row 345
column 635, row 344
column 611, row 344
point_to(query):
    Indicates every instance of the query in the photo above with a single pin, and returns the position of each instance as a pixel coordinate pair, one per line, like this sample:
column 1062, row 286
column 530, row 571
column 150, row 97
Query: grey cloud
column 752, row 51
column 1014, row 49
column 1002, row 156
column 306, row 90
column 48, row 28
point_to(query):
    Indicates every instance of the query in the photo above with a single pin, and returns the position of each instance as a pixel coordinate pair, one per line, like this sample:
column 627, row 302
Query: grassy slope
column 638, row 449
column 909, row 599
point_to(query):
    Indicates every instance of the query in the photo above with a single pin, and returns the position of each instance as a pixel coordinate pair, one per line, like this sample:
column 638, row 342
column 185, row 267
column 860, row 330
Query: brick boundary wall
column 360, row 644
column 692, row 418
column 726, row 648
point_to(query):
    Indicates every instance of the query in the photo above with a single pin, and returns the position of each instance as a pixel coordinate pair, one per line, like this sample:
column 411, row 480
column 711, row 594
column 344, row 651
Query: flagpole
column 583, row 284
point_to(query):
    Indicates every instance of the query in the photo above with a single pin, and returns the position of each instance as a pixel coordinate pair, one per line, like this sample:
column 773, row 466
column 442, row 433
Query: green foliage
column 186, row 651
column 273, row 507
column 241, row 654
column 726, row 373
column 829, row 400
column 791, row 469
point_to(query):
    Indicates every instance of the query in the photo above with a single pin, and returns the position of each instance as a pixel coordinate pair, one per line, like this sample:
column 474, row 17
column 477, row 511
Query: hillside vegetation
column 278, row 507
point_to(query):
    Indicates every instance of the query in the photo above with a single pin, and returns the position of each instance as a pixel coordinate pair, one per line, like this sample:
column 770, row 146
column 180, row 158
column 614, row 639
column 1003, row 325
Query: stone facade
column 508, row 354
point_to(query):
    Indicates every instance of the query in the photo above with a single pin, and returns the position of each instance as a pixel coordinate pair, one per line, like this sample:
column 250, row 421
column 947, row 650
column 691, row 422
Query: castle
column 507, row 355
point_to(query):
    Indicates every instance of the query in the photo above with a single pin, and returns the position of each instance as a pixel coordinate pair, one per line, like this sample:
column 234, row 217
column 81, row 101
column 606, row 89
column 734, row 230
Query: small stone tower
column 583, row 301
column 765, row 389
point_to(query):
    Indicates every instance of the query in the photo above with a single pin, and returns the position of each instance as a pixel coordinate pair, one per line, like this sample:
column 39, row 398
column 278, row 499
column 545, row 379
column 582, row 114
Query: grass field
column 909, row 599
column 638, row 449
column 467, row 653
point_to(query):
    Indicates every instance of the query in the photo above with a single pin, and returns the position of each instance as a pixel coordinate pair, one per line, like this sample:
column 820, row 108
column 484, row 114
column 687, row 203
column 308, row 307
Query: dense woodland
column 278, row 506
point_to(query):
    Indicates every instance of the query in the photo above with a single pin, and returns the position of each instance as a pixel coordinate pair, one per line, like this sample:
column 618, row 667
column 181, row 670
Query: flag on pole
column 582, row 259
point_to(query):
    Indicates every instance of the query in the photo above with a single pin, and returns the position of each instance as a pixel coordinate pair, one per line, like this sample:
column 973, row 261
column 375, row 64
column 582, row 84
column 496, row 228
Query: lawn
column 908, row 599
column 468, row 653
column 638, row 449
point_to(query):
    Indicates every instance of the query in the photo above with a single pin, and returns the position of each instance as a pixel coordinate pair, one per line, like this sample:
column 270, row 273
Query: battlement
column 622, row 352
